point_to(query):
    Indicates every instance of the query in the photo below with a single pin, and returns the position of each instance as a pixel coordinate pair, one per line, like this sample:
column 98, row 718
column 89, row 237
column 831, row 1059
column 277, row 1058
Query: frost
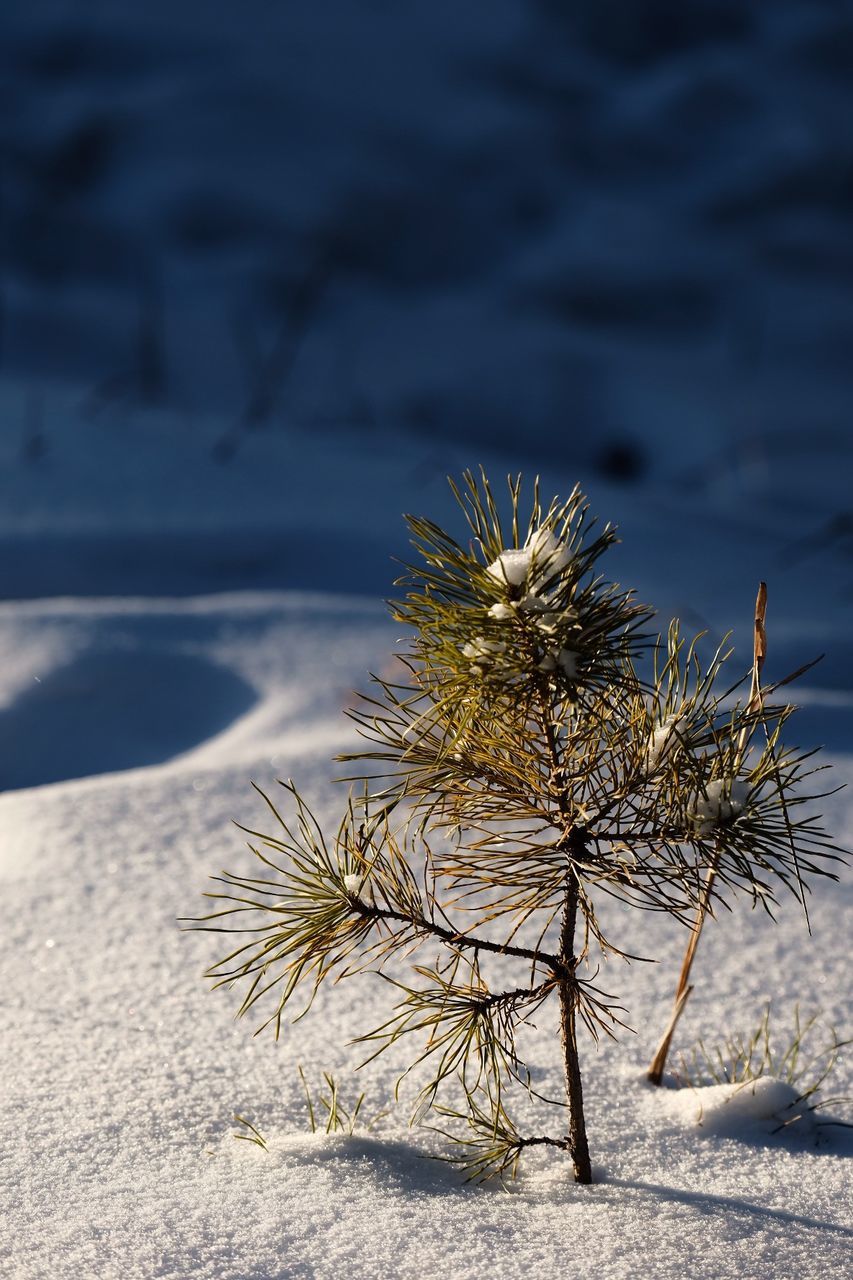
column 719, row 803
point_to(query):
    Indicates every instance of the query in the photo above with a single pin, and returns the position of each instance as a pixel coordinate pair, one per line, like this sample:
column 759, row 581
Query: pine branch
column 451, row 937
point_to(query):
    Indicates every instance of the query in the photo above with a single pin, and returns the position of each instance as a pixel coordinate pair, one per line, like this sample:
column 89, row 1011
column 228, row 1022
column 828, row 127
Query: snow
column 482, row 650
column 501, row 612
column 540, row 559
column 663, row 740
column 512, row 566
column 720, row 802
column 565, row 659
column 201, row 496
column 764, row 1104
column 122, row 1072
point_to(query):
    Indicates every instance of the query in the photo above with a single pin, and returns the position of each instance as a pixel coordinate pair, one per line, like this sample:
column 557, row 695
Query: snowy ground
column 248, row 316
column 147, row 717
column 122, row 1072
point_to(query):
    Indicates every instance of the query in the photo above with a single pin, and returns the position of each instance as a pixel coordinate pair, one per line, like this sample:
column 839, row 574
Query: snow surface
column 122, row 1073
column 249, row 315
column 764, row 1104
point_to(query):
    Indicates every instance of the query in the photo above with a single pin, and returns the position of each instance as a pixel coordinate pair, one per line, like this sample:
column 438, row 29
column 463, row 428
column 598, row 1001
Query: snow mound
column 122, row 1073
column 109, row 710
column 730, row 1109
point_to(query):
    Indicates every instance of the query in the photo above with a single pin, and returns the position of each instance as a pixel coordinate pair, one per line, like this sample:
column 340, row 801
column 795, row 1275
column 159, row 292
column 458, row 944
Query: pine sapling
column 524, row 764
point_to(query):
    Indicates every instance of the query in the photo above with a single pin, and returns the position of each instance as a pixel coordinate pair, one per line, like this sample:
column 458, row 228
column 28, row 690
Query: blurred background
column 269, row 271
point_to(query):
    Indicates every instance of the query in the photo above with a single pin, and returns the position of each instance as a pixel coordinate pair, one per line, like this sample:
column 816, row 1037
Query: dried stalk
column 683, row 990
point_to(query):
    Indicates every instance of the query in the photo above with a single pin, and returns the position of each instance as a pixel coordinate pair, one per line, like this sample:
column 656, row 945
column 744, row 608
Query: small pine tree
column 521, row 767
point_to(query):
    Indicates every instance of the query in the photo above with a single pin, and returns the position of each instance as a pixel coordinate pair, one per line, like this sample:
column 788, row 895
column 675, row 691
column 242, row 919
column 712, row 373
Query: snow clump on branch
column 532, row 567
column 566, row 661
column 664, row 740
column 482, row 653
column 541, row 557
column 720, row 802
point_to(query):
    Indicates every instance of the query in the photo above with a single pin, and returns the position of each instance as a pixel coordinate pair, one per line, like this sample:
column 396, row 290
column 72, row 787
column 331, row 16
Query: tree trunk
column 578, row 1148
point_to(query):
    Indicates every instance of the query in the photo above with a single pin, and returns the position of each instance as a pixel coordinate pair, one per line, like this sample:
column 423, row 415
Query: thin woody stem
column 544, row 1141
column 572, row 839
column 518, row 995
column 467, row 940
column 578, row 1146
